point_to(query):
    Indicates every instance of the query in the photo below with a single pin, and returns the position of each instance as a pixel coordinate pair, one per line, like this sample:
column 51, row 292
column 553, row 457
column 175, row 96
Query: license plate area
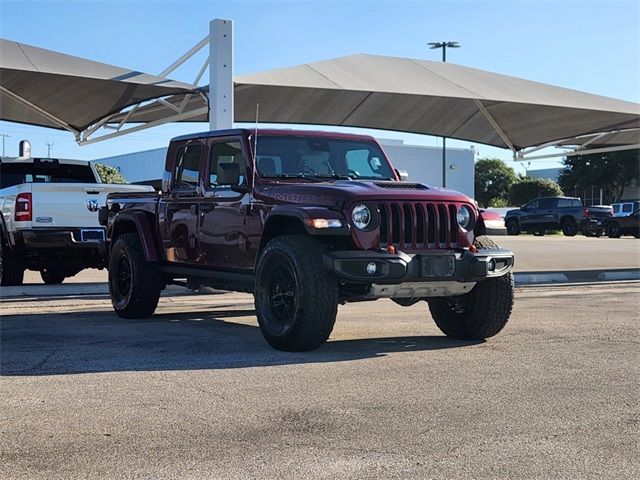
column 438, row 266
column 91, row 235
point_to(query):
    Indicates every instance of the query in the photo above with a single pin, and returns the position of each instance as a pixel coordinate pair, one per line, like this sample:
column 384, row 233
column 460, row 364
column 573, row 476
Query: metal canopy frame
column 219, row 100
column 582, row 141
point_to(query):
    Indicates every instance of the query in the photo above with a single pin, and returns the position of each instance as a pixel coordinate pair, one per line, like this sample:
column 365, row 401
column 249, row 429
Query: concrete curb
column 576, row 276
column 521, row 279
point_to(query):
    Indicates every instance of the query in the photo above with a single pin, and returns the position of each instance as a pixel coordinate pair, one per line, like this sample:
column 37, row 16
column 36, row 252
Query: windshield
column 318, row 157
column 16, row 173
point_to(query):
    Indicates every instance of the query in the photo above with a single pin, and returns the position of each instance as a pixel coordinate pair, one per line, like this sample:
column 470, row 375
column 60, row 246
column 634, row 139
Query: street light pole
column 443, row 46
column 4, row 135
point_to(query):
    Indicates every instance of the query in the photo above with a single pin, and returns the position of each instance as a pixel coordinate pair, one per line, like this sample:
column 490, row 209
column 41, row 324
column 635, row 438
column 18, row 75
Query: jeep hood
column 329, row 193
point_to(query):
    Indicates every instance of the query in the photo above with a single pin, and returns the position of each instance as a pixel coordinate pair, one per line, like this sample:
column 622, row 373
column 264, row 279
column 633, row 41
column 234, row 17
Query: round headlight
column 361, row 216
column 464, row 217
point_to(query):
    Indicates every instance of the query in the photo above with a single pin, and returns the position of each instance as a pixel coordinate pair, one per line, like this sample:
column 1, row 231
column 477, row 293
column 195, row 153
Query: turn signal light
column 23, row 208
column 391, row 249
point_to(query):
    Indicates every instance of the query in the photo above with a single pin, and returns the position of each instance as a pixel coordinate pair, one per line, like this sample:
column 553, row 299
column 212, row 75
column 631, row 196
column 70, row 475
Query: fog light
column 491, row 266
column 372, row 268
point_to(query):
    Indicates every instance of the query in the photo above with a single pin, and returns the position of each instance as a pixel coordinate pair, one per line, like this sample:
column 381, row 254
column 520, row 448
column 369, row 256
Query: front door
column 529, row 213
column 225, row 217
column 179, row 208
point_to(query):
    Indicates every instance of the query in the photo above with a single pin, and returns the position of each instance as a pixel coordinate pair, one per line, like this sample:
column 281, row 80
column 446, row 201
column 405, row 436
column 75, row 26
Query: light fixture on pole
column 444, row 46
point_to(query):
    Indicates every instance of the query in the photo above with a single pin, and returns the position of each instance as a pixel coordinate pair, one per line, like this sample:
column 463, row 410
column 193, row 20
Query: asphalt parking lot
column 195, row 392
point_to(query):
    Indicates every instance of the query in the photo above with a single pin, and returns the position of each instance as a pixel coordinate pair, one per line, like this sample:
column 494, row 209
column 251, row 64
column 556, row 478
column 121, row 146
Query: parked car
column 622, row 209
column 322, row 220
column 557, row 213
column 628, row 225
column 493, row 222
column 49, row 220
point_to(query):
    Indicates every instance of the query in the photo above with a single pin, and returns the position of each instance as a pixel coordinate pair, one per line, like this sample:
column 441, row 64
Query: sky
column 592, row 46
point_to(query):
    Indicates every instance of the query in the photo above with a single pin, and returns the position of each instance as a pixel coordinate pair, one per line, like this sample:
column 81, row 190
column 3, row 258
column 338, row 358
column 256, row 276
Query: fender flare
column 143, row 227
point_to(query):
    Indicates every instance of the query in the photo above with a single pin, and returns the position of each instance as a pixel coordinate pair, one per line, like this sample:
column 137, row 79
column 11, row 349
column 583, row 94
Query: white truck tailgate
column 72, row 204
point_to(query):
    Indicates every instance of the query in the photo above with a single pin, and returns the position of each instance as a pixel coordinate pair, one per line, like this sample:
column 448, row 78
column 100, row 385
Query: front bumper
column 459, row 266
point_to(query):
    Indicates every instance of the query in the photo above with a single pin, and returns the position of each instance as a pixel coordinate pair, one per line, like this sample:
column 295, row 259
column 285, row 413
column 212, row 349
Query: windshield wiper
column 307, row 176
column 335, row 176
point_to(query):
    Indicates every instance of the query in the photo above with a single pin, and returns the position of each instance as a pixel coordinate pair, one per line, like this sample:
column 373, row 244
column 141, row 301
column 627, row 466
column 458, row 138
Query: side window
column 564, row 202
column 627, row 207
column 546, row 203
column 187, row 168
column 576, row 203
column 532, row 205
column 222, row 155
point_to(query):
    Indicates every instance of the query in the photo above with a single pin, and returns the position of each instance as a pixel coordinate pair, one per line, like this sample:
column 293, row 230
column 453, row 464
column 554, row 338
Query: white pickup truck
column 49, row 220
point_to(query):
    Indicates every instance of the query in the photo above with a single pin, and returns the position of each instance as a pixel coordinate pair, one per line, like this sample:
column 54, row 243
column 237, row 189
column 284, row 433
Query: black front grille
column 418, row 225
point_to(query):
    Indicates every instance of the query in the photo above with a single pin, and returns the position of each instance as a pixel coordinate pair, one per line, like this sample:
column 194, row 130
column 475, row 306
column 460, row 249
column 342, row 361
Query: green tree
column 109, row 174
column 492, row 181
column 611, row 171
column 528, row 188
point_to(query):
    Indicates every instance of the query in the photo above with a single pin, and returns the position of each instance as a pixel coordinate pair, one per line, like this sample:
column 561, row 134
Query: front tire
column 614, row 230
column 134, row 283
column 479, row 314
column 52, row 277
column 569, row 228
column 513, row 228
column 11, row 267
column 296, row 299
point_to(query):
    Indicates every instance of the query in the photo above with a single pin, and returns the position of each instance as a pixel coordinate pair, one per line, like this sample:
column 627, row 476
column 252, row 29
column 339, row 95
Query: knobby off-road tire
column 479, row 314
column 52, row 277
column 134, row 283
column 296, row 299
column 11, row 267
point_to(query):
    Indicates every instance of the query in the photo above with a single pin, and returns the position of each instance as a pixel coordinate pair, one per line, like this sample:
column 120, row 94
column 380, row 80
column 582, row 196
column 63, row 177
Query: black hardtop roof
column 272, row 131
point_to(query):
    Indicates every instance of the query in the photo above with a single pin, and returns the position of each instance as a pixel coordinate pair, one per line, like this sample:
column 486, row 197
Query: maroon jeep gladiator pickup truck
column 305, row 221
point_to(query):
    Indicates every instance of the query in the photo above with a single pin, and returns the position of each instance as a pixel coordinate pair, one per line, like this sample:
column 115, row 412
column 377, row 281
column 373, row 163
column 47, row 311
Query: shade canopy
column 51, row 89
column 424, row 97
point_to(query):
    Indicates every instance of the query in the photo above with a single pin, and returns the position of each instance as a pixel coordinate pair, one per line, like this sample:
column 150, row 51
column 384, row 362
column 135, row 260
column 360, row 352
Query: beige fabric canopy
column 51, row 89
column 421, row 96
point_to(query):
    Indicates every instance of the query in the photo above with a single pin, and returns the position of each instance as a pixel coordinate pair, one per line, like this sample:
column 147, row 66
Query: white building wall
column 424, row 165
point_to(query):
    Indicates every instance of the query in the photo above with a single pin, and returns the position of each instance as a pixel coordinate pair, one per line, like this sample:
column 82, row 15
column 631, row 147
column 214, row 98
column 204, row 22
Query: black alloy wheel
column 122, row 279
column 613, row 230
column 281, row 289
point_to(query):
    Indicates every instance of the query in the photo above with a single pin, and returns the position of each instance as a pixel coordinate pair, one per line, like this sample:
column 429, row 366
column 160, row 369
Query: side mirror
column 228, row 174
column 403, row 174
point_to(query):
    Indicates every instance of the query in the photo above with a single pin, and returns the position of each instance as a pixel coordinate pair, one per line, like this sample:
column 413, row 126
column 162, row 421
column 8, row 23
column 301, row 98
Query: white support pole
column 220, row 74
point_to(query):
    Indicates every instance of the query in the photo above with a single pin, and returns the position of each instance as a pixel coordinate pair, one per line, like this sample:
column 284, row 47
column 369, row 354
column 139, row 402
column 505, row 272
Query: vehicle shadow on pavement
column 86, row 342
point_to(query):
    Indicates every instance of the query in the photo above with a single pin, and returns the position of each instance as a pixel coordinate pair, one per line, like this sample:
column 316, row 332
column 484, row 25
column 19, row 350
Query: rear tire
column 479, row 314
column 614, row 230
column 52, row 277
column 296, row 298
column 134, row 283
column 11, row 267
column 513, row 228
column 569, row 227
